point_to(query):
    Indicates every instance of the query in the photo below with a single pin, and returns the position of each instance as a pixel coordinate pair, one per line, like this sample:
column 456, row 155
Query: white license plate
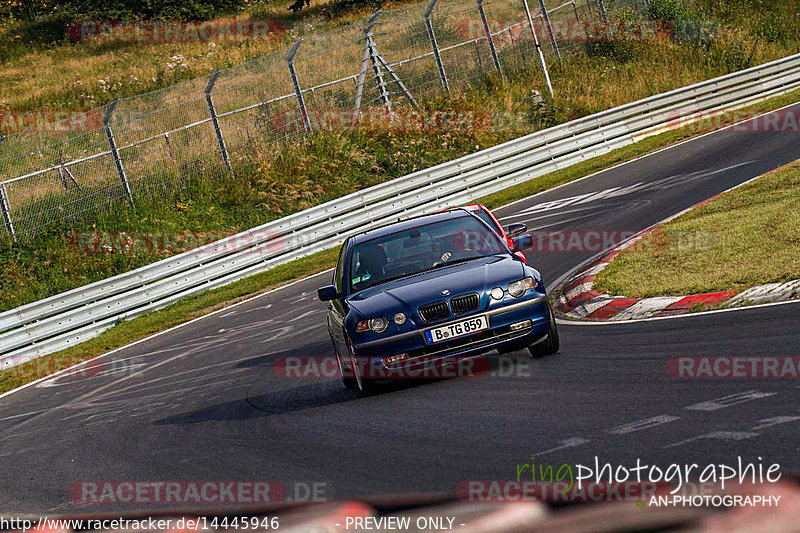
column 457, row 329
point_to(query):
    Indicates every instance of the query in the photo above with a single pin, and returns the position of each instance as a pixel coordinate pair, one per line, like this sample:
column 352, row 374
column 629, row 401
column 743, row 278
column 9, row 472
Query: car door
column 337, row 308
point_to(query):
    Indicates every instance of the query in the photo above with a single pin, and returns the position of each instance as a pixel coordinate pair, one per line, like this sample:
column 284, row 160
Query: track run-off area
column 204, row 401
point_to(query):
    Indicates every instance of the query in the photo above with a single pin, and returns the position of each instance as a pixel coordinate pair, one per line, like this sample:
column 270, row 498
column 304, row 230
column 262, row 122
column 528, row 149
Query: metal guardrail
column 61, row 321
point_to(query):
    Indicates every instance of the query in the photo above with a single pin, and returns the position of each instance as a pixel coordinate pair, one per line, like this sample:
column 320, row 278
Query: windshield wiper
column 387, row 280
column 457, row 261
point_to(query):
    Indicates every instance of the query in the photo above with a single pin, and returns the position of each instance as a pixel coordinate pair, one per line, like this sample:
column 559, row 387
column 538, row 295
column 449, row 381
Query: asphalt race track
column 203, row 402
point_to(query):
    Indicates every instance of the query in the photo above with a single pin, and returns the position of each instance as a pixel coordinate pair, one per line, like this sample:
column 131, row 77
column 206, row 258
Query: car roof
column 409, row 224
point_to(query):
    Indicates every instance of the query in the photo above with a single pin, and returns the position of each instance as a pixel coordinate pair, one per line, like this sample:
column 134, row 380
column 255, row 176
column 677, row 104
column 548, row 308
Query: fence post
column 435, row 46
column 489, row 39
column 376, row 66
column 7, row 212
column 362, row 75
column 300, row 101
column 223, row 148
column 112, row 143
column 542, row 61
column 546, row 19
column 603, row 12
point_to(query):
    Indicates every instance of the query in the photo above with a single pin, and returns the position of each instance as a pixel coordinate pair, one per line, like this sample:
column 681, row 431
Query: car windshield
column 483, row 215
column 422, row 248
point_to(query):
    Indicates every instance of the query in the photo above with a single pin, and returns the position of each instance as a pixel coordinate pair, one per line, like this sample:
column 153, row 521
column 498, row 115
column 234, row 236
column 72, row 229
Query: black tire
column 350, row 382
column 366, row 386
column 551, row 344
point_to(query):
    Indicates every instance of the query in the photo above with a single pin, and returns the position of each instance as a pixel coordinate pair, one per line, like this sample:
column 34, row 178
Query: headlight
column 378, row 325
column 399, row 319
column 497, row 293
column 518, row 288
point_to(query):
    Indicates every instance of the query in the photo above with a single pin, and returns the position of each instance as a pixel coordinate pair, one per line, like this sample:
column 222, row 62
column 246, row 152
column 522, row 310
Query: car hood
column 409, row 293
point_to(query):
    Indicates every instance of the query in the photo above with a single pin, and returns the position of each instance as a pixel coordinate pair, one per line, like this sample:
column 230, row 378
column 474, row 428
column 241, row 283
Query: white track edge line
column 154, row 335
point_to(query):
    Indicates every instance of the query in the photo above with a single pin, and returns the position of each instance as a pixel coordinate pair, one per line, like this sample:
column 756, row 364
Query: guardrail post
column 603, row 12
column 7, row 212
column 112, row 144
column 542, row 61
column 489, row 39
column 435, row 46
column 299, row 93
column 546, row 19
column 223, row 148
column 376, row 66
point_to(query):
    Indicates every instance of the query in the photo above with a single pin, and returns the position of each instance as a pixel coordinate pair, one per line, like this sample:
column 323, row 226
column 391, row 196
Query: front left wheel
column 549, row 345
column 349, row 382
column 365, row 385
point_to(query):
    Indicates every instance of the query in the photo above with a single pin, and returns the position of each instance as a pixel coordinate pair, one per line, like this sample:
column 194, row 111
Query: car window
column 338, row 276
column 419, row 249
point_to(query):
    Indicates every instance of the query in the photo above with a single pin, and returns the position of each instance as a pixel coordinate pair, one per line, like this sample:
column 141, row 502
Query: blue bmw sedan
column 432, row 292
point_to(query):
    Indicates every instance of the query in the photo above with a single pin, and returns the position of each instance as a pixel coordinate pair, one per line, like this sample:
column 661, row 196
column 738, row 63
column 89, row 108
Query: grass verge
column 746, row 237
column 207, row 302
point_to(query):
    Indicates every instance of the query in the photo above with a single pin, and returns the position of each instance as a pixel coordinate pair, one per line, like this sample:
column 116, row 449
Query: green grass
column 209, row 301
column 746, row 237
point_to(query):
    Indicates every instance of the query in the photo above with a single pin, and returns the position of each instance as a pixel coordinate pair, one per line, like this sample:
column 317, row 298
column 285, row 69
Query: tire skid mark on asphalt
column 774, row 421
column 717, row 435
column 730, row 400
column 239, row 312
column 114, row 402
column 640, row 425
column 307, row 313
column 566, row 443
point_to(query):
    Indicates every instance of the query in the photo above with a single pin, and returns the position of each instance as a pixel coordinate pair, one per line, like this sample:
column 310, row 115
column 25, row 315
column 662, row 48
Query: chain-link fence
column 396, row 60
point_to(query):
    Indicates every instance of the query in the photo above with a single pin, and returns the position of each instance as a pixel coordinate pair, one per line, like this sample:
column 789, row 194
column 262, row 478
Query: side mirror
column 523, row 242
column 512, row 230
column 327, row 293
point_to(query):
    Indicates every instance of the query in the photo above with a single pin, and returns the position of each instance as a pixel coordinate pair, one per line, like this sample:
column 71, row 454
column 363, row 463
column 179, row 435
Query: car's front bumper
column 522, row 322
